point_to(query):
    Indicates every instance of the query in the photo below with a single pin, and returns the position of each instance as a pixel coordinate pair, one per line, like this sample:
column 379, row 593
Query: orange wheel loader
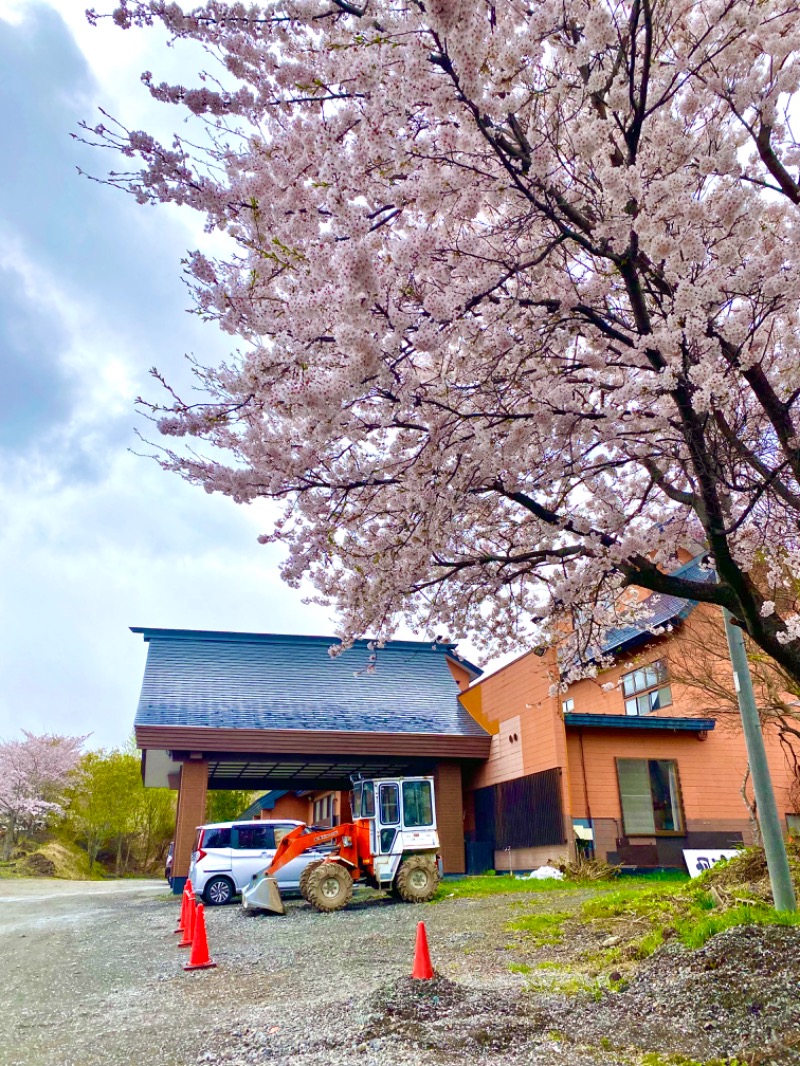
column 392, row 843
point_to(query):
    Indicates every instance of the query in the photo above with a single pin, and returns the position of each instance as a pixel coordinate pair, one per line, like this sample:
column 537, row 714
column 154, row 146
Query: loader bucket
column 263, row 894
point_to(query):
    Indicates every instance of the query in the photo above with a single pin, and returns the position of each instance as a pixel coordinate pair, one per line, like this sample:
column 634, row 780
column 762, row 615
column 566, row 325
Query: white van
column 227, row 854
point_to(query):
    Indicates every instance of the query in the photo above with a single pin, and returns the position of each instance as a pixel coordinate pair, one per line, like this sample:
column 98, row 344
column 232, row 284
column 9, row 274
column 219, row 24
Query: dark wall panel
column 523, row 813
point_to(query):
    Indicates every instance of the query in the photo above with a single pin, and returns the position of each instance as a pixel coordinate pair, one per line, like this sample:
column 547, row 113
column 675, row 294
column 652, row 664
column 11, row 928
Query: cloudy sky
column 93, row 538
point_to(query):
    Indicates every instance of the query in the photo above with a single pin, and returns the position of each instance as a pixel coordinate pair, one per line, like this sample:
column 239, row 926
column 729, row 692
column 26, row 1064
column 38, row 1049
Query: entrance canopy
column 267, row 710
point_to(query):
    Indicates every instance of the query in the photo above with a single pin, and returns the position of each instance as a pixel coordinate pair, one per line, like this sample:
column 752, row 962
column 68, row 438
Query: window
column 650, row 796
column 793, row 824
column 645, row 689
column 390, row 804
column 568, row 705
column 254, row 837
column 368, row 800
column 281, row 831
column 417, row 804
column 214, row 838
column 323, row 810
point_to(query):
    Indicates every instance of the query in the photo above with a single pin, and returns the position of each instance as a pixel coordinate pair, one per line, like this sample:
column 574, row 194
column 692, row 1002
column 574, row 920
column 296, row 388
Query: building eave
column 204, row 740
column 638, row 722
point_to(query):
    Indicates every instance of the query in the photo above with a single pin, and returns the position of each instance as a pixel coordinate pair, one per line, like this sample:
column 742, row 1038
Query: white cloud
column 95, row 539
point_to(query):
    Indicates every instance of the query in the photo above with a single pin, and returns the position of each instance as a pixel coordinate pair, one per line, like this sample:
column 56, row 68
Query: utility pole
column 774, row 848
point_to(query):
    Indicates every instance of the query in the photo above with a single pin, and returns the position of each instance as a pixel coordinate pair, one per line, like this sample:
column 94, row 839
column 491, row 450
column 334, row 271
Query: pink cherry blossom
column 34, row 772
column 514, row 290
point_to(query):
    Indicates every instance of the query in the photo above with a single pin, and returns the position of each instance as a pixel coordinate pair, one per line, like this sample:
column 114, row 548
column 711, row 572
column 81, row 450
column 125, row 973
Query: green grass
column 688, row 915
column 491, row 885
column 655, row 1058
column 541, row 929
column 645, row 910
column 695, row 933
column 505, row 884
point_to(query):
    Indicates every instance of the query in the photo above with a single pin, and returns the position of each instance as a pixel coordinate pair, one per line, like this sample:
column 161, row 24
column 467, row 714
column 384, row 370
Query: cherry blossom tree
column 515, row 289
column 34, row 774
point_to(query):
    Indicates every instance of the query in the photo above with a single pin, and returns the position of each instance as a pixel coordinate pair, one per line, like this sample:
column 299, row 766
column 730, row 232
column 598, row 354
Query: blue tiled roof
column 277, row 681
column 661, row 610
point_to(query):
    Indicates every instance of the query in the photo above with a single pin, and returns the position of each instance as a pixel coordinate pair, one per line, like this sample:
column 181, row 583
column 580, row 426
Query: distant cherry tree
column 35, row 772
column 516, row 290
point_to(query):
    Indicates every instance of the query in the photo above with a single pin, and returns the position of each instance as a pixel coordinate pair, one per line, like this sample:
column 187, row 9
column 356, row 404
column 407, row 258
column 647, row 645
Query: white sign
column 697, row 862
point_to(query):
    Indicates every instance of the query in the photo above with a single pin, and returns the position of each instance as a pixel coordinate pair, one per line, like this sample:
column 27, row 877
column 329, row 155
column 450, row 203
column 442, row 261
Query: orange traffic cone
column 182, row 919
column 199, row 959
column 191, row 917
column 423, row 971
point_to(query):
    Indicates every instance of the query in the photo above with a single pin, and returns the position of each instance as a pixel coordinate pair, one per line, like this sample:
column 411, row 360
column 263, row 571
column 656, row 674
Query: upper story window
column 567, row 705
column 646, row 689
column 323, row 811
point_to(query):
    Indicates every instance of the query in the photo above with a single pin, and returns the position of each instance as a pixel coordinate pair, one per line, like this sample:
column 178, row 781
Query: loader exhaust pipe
column 263, row 894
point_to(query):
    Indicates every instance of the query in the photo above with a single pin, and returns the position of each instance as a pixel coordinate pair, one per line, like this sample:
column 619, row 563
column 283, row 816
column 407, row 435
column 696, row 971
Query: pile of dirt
column 747, row 872
column 36, row 865
column 440, row 1015
column 69, row 861
column 737, row 996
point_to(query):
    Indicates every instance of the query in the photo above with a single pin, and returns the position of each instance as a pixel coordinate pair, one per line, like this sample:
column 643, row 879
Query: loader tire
column 417, row 879
column 304, row 876
column 330, row 887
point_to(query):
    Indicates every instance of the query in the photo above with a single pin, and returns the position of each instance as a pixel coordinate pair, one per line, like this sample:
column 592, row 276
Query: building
column 627, row 765
column 265, row 711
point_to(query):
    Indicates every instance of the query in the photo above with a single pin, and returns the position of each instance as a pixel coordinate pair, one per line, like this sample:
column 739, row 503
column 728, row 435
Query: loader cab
column 401, row 814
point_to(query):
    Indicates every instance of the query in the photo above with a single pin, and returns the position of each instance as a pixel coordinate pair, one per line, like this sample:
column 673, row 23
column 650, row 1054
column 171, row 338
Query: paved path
column 28, row 903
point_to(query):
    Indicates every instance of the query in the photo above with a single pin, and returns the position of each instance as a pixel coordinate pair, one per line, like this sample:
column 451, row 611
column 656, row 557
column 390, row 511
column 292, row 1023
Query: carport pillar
column 191, row 813
column 450, row 815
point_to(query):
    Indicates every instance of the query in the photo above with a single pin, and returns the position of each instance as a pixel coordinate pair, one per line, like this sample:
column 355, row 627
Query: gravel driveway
column 91, row 974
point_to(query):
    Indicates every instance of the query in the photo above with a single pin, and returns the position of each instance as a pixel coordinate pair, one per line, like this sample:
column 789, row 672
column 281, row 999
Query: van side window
column 216, row 838
column 253, row 837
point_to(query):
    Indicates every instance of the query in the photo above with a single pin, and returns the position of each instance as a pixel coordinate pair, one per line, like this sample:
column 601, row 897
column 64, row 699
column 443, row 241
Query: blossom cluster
column 516, row 293
column 34, row 772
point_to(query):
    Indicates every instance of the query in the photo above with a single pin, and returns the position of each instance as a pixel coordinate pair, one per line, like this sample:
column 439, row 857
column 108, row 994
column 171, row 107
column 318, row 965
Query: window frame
column 647, row 690
column 368, row 793
column 385, row 788
column 678, row 799
column 266, row 831
column 408, row 785
column 323, row 810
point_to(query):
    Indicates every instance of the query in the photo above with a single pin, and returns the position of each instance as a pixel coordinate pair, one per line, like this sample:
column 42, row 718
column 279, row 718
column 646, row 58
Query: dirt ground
column 91, row 974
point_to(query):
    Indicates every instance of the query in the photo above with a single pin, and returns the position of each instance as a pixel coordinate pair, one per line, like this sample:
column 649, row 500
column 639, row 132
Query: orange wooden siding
column 710, row 771
column 589, row 697
column 516, row 701
column 293, row 808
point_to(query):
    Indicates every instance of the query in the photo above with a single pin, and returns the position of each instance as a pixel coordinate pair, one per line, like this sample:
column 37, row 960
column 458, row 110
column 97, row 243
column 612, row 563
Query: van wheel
column 417, row 879
column 219, row 890
column 304, row 876
column 330, row 887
